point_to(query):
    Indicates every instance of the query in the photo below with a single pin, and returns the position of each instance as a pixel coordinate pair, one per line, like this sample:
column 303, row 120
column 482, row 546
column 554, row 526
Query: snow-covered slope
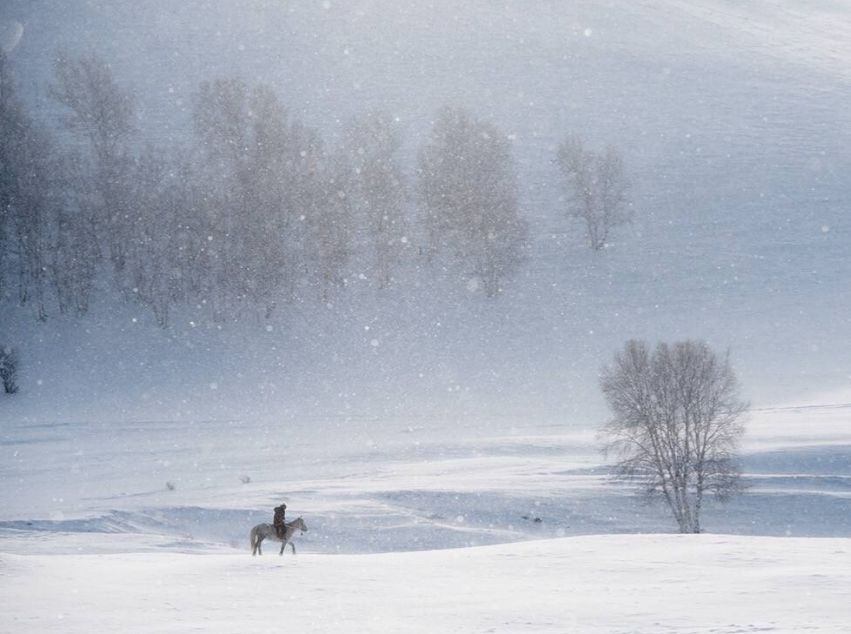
column 638, row 584
column 734, row 124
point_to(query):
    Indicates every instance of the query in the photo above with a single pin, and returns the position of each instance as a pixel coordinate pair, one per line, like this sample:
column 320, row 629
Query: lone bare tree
column 596, row 185
column 676, row 423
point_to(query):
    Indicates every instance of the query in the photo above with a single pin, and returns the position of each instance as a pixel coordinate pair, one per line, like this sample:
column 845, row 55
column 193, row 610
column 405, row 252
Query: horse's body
column 267, row 531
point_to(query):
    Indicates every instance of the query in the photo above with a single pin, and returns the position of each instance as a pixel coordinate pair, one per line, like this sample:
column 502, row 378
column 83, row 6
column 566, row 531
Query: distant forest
column 256, row 212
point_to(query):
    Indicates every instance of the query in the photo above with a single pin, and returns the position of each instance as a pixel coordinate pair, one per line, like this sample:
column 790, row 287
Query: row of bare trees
column 255, row 211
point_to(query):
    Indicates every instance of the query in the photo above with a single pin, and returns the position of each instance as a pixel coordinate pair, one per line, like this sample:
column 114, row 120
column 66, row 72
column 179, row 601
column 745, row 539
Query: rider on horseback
column 279, row 519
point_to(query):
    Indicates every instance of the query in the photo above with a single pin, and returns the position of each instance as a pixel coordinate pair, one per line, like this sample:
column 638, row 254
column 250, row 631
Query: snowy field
column 408, row 531
column 649, row 584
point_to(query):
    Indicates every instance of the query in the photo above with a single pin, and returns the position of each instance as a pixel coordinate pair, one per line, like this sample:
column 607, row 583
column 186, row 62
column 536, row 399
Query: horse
column 264, row 531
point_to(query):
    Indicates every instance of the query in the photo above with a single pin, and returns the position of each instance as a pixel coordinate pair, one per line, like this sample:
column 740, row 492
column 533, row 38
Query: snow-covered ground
column 637, row 584
column 409, row 530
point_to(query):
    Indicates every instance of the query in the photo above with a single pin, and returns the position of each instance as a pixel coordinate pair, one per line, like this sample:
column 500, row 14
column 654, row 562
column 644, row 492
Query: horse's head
column 299, row 524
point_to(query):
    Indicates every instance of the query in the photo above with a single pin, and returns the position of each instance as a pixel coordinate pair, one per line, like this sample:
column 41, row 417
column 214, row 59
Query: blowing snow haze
column 731, row 120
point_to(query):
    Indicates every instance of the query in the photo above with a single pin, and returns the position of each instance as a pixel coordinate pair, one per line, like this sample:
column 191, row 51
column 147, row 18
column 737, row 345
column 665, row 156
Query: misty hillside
column 734, row 127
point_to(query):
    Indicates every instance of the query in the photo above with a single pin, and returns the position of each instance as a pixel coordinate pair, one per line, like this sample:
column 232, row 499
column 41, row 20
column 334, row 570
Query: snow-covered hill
column 640, row 584
column 734, row 127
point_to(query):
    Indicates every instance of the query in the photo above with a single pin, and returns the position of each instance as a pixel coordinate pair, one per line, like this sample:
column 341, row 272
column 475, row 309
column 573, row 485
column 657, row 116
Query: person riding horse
column 279, row 519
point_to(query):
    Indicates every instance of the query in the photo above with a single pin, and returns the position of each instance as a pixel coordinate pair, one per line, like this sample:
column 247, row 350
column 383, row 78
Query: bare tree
column 468, row 194
column 374, row 186
column 676, row 423
column 596, row 186
column 161, row 255
column 10, row 127
column 275, row 219
column 329, row 230
column 101, row 113
column 242, row 140
column 29, row 205
column 74, row 254
column 9, row 369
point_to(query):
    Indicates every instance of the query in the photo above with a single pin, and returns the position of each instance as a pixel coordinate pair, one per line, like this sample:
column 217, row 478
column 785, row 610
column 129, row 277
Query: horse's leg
column 283, row 545
column 259, row 544
column 292, row 545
